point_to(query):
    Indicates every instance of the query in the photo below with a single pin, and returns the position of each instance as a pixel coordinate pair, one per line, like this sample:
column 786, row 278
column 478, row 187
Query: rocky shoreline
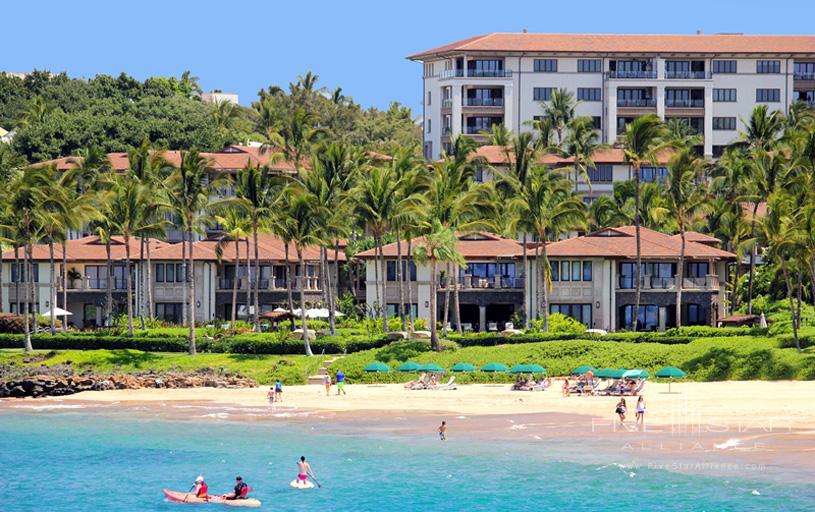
column 60, row 380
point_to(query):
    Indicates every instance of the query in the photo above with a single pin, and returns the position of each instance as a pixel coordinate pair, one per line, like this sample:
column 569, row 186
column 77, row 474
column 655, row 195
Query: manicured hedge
column 489, row 340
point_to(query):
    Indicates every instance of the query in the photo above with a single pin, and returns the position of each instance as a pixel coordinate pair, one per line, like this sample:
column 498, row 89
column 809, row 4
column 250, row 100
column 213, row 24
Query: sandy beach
column 744, row 405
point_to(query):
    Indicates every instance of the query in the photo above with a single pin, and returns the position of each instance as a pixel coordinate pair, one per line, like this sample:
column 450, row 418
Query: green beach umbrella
column 635, row 374
column 580, row 370
column 462, row 367
column 431, row 367
column 409, row 366
column 494, row 367
column 610, row 373
column 377, row 367
column 670, row 373
column 527, row 368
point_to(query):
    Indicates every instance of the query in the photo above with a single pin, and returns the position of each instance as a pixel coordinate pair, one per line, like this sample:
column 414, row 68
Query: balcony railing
column 483, row 102
column 710, row 282
column 685, row 103
column 86, row 283
column 476, row 73
column 447, row 103
column 225, row 283
column 641, row 74
column 688, row 75
column 641, row 102
column 481, row 283
column 477, row 130
column 804, row 76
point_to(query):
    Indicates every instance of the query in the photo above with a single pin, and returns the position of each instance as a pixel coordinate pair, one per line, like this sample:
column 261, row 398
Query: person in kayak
column 200, row 487
column 240, row 491
column 304, row 471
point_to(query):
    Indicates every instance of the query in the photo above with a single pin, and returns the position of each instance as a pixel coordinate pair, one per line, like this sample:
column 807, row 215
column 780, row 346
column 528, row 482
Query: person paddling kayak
column 304, row 471
column 240, row 491
column 200, row 488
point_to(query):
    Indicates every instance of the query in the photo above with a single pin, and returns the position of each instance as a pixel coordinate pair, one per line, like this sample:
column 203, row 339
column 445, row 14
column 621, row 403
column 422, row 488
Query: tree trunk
column 539, row 282
column 792, row 306
column 434, row 335
column 410, row 285
column 32, row 287
column 799, row 287
column 2, row 309
column 64, row 280
column 184, row 268
column 302, row 287
column 332, row 327
column 249, row 283
column 151, row 310
column 400, row 280
column 812, row 276
column 52, row 291
column 680, row 274
column 140, row 291
column 235, row 283
column 332, row 317
column 192, row 295
column 446, row 318
column 752, row 260
column 108, row 286
column 377, row 309
column 129, row 286
column 544, row 292
column 527, row 284
column 19, row 276
column 289, row 294
column 384, row 289
column 637, row 268
column 256, row 277
column 28, row 277
column 456, row 301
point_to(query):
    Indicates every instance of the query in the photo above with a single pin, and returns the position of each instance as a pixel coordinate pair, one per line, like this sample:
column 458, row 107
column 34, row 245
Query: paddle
column 188, row 494
column 316, row 482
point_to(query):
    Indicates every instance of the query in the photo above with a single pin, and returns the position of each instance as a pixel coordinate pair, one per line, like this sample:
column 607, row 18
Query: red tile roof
column 695, row 236
column 89, row 248
column 621, row 243
column 497, row 155
column 483, row 245
column 270, row 248
column 719, row 44
column 231, row 158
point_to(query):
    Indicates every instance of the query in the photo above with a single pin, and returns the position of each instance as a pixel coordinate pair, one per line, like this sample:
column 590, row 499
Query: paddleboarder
column 443, row 431
column 304, row 471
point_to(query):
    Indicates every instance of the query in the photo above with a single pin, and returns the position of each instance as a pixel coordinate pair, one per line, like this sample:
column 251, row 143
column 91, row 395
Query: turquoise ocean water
column 72, row 461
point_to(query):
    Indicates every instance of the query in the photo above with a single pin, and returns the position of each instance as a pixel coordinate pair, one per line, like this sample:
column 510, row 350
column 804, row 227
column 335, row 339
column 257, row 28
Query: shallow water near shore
column 69, row 459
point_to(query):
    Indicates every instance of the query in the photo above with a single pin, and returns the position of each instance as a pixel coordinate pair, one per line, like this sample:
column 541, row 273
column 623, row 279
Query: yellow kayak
column 188, row 497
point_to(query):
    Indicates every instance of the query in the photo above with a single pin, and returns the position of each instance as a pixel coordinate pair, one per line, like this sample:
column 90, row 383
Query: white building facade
column 711, row 81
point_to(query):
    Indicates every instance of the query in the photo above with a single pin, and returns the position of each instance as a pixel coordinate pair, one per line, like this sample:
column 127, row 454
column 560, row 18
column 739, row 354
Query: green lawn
column 704, row 359
column 263, row 368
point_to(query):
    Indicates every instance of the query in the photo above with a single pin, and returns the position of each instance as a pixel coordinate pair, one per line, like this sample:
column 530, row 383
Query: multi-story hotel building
column 712, row 81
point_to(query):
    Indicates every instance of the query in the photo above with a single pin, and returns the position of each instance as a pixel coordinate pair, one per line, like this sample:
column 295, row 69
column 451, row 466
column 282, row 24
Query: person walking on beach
column 566, row 387
column 340, row 382
column 304, row 471
column 641, row 411
column 327, row 383
column 443, row 431
column 278, row 391
column 620, row 410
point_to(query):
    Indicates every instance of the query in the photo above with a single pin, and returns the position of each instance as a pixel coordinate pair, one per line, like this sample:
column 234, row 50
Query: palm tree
column 644, row 138
column 190, row 188
column 498, row 135
column 236, row 227
column 258, row 194
column 560, row 111
column 582, row 142
column 9, row 160
column 438, row 245
column 53, row 230
column 549, row 208
column 294, row 135
column 763, row 128
column 686, row 201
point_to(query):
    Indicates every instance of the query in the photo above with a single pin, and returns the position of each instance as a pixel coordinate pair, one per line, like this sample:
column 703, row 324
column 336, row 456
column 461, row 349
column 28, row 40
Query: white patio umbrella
column 316, row 313
column 762, row 321
column 58, row 312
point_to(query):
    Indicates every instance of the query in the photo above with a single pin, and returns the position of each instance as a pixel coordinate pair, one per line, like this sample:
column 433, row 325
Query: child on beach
column 270, row 395
column 443, row 431
column 566, row 387
column 641, row 410
column 327, row 383
column 620, row 410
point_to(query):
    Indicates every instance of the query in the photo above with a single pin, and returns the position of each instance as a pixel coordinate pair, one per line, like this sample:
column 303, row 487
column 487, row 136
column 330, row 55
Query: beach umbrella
column 609, row 373
column 762, row 321
column 431, row 367
column 462, row 367
column 670, row 373
column 57, row 312
column 527, row 368
column 494, row 367
column 580, row 370
column 409, row 366
column 635, row 374
column 377, row 367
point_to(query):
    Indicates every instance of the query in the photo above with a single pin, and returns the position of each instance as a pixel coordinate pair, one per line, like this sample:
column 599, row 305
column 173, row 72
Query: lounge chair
column 636, row 391
column 446, row 387
column 610, row 389
column 418, row 383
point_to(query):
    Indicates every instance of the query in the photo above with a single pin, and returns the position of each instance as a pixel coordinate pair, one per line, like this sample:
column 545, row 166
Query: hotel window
column 580, row 312
column 589, row 65
column 545, row 66
column 542, row 94
column 724, row 95
column 18, row 272
column 804, row 70
column 602, row 174
column 565, row 271
column 571, row 271
column 724, row 123
column 650, row 174
column 170, row 272
column 718, row 150
column 768, row 95
column 587, row 271
column 647, row 319
column 169, row 312
column 392, row 311
column 697, row 269
column 597, row 122
column 428, row 98
column 588, row 94
column 391, row 270
column 485, row 67
column 429, row 126
column 725, row 66
column 428, row 69
column 768, row 66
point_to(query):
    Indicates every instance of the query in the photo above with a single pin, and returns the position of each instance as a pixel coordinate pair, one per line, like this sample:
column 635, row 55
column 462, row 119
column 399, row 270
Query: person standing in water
column 443, row 431
column 304, row 471
column 620, row 410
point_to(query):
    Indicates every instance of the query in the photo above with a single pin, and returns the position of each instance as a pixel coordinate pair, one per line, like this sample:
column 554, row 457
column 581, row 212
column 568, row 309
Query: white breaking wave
column 730, row 443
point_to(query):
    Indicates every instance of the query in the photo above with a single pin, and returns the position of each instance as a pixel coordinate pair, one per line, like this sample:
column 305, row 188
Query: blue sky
column 245, row 45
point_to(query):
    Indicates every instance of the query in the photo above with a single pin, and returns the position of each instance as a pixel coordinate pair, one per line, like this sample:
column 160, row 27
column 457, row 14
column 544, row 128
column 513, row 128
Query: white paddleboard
column 299, row 484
